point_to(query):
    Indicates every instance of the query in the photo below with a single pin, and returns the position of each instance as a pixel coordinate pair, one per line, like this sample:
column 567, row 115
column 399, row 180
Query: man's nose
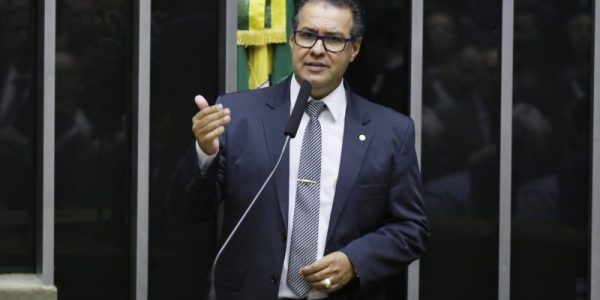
column 318, row 48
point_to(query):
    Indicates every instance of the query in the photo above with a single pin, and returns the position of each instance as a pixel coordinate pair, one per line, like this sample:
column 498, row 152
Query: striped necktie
column 305, row 230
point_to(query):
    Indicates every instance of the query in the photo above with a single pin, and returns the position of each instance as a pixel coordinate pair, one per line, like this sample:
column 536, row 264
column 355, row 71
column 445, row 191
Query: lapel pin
column 362, row 137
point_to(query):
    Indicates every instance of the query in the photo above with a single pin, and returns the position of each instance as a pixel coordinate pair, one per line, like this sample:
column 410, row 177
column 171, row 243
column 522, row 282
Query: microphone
column 298, row 111
column 290, row 132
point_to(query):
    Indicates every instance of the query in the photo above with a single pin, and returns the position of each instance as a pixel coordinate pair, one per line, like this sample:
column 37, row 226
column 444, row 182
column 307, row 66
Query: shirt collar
column 335, row 101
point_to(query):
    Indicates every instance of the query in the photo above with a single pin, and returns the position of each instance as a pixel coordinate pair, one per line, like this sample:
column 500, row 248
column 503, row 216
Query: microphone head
column 305, row 87
column 301, row 102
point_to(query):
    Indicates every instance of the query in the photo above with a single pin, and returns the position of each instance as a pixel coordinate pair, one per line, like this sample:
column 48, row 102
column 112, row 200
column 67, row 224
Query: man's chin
column 315, row 81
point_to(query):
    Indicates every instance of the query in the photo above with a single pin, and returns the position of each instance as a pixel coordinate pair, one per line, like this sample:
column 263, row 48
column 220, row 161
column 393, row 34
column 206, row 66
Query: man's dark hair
column 358, row 27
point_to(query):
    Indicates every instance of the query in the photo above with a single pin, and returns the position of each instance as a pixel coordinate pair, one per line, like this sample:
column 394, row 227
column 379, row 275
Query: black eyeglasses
column 331, row 43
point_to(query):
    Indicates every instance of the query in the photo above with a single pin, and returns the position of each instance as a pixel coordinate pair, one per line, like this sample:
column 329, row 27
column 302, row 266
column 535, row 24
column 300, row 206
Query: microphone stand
column 290, row 133
column 212, row 294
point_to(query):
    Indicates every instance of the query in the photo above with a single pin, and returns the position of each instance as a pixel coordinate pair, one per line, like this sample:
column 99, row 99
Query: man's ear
column 355, row 48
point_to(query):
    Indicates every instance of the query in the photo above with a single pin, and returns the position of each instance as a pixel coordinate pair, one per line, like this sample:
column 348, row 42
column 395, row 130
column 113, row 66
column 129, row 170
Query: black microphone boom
column 298, row 111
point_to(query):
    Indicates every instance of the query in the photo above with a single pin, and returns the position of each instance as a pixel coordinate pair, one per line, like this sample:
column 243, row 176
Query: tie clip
column 306, row 181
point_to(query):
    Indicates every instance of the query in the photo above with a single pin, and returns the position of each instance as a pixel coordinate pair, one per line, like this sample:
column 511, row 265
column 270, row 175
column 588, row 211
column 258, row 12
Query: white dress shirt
column 332, row 128
column 332, row 134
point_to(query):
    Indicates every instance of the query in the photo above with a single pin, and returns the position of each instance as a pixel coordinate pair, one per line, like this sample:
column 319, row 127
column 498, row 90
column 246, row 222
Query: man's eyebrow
column 335, row 34
column 310, row 30
column 306, row 29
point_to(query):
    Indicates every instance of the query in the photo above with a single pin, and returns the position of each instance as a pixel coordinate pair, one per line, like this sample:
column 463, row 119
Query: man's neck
column 316, row 93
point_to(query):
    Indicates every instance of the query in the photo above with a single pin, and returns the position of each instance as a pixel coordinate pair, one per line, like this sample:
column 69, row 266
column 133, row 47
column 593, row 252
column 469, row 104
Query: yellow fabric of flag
column 257, row 33
column 258, row 37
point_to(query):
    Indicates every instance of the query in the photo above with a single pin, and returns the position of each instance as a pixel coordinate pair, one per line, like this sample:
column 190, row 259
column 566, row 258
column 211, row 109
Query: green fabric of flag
column 282, row 57
column 264, row 28
column 242, row 68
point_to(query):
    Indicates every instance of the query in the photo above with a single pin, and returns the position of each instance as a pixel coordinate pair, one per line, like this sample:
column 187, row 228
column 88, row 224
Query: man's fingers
column 201, row 102
column 207, row 128
column 210, row 114
column 318, row 276
column 209, row 111
column 214, row 134
column 315, row 267
column 210, row 123
column 201, row 120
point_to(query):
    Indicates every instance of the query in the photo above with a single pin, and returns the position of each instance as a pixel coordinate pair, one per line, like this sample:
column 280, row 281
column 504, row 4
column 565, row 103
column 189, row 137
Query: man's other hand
column 335, row 266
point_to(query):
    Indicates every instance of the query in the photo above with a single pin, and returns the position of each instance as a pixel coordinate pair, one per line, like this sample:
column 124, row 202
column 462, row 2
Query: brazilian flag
column 264, row 28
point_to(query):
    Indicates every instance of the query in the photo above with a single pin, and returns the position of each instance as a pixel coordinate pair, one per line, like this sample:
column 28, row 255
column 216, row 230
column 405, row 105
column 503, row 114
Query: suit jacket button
column 283, row 236
column 273, row 279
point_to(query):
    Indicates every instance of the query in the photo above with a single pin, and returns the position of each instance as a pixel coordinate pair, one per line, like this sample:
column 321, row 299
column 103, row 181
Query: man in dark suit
column 369, row 221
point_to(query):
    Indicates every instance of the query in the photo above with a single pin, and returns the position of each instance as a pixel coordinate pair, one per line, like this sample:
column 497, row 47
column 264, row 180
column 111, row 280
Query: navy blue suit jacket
column 377, row 219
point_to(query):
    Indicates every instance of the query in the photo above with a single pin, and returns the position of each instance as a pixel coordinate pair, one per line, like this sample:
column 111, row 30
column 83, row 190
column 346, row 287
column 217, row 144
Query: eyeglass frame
column 322, row 38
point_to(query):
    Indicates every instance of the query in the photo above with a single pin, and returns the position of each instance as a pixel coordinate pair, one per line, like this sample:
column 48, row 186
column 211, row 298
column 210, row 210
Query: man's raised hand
column 209, row 124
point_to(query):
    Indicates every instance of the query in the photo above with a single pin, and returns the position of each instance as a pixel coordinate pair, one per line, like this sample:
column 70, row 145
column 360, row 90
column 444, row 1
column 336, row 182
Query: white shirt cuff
column 204, row 160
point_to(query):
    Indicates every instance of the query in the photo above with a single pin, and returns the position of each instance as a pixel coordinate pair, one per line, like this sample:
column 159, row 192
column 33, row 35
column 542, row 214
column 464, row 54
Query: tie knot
column 314, row 108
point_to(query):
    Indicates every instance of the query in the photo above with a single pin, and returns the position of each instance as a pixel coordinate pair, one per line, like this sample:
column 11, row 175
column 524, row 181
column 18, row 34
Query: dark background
column 460, row 134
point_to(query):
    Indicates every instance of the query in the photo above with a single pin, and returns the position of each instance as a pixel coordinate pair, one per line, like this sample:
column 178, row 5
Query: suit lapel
column 353, row 149
column 353, row 153
column 274, row 121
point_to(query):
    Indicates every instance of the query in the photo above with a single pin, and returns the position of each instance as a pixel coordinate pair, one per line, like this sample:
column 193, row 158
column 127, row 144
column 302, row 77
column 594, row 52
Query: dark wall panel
column 460, row 156
column 184, row 64
column 18, row 147
column 93, row 148
column 551, row 149
column 381, row 71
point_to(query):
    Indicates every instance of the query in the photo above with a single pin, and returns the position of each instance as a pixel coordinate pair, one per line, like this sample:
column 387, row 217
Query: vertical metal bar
column 506, row 107
column 45, row 264
column 416, row 105
column 416, row 70
column 228, row 47
column 595, row 211
column 141, row 130
column 227, row 63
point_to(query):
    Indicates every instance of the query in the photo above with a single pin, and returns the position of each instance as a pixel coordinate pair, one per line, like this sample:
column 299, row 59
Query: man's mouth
column 315, row 66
